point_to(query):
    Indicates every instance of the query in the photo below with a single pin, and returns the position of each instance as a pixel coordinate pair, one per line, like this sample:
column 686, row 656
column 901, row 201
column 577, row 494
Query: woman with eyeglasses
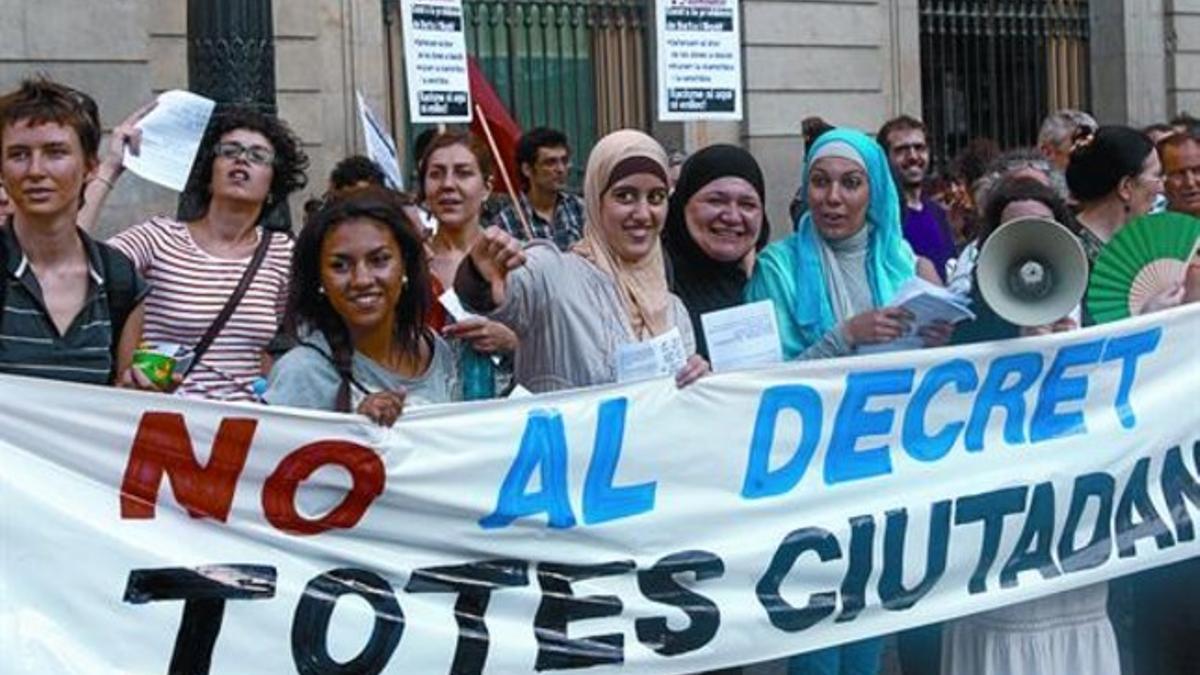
column 247, row 165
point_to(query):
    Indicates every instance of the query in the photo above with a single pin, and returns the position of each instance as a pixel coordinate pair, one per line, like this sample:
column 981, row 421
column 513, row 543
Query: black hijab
column 705, row 284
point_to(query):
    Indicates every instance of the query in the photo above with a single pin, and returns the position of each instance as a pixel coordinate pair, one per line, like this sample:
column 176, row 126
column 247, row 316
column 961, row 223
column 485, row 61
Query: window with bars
column 995, row 68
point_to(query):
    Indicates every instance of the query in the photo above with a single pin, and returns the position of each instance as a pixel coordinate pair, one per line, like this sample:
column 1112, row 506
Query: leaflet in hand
column 928, row 303
column 744, row 336
column 454, row 306
column 656, row 357
column 171, row 134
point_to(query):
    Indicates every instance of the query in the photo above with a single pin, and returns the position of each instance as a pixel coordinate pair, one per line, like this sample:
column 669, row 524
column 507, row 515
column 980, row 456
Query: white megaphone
column 1032, row 271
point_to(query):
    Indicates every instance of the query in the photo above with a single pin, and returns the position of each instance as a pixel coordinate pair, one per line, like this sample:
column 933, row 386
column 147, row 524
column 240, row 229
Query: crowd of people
column 347, row 314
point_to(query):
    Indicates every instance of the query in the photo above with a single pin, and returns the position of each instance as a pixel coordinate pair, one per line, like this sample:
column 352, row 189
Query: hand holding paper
column 929, row 309
column 170, row 138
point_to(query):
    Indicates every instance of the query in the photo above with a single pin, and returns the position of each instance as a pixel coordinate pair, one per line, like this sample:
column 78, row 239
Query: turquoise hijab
column 890, row 260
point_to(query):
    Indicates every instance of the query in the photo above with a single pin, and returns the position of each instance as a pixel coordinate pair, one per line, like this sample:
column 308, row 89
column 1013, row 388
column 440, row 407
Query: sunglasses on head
column 255, row 154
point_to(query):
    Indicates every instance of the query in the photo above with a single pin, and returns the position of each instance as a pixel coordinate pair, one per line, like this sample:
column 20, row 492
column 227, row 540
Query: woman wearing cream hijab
column 573, row 311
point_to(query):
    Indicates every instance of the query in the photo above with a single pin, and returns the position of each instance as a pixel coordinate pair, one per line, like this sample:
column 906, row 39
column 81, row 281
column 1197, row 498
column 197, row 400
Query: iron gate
column 995, row 68
column 576, row 65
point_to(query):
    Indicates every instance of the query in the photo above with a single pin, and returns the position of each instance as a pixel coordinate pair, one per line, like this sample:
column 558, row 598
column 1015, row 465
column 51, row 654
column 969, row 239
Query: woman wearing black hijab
column 716, row 224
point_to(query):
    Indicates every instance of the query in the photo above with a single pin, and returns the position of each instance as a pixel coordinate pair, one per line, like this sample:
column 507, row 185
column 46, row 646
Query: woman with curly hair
column 358, row 298
column 247, row 165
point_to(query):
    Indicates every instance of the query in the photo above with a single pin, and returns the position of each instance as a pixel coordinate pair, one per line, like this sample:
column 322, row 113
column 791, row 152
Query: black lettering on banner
column 1177, row 484
column 474, row 583
column 658, row 584
column 1032, row 551
column 892, row 592
column 310, row 627
column 990, row 508
column 204, row 591
column 560, row 606
column 854, row 585
column 782, row 614
column 1135, row 497
column 1099, row 548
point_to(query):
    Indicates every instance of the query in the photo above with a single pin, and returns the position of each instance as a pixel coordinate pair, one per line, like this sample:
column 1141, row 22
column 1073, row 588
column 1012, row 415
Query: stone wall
column 124, row 52
column 854, row 62
column 1183, row 56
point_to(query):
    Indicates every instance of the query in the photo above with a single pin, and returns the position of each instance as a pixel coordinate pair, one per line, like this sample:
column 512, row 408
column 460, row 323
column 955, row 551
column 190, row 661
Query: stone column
column 1129, row 76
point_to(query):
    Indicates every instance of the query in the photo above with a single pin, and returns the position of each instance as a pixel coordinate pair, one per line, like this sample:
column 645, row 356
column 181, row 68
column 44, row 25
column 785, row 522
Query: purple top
column 928, row 232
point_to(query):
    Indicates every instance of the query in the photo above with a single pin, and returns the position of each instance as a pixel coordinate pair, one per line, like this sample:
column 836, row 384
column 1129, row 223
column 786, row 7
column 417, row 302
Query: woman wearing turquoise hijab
column 832, row 280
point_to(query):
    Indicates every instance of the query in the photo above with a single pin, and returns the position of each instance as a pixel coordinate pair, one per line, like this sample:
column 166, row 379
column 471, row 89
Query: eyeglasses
column 255, row 154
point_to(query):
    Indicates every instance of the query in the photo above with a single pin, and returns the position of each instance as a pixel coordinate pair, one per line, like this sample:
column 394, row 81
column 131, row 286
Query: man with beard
column 544, row 159
column 925, row 224
column 1180, row 155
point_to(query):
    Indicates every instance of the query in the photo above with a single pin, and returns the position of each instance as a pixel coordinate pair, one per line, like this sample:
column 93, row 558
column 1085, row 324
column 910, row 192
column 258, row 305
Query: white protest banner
column 699, row 60
column 381, row 149
column 171, row 135
column 435, row 61
column 629, row 528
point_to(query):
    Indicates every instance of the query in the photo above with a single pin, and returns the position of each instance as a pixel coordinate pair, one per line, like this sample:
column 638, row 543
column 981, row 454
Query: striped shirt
column 30, row 343
column 189, row 289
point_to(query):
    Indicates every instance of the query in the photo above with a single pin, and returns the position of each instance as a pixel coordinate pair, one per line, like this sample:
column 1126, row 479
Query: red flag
column 505, row 129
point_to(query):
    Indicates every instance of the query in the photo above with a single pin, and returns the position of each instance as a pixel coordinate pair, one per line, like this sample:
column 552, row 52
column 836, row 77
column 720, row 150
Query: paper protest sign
column 435, row 61
column 699, row 60
column 171, row 135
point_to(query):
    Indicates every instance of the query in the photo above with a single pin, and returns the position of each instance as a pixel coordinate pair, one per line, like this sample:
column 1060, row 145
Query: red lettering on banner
column 163, row 445
column 279, row 492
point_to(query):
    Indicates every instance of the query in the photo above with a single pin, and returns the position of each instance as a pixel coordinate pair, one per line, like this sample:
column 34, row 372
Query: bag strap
column 210, row 335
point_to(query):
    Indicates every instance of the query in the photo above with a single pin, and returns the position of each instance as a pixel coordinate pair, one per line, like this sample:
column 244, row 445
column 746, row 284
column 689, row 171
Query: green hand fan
column 1146, row 257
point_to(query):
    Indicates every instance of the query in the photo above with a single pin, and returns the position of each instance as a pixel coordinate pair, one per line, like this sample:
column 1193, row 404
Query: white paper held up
column 928, row 303
column 656, row 357
column 741, row 337
column 171, row 135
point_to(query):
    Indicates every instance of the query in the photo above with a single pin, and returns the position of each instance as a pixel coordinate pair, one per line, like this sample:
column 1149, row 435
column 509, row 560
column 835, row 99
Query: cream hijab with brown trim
column 642, row 284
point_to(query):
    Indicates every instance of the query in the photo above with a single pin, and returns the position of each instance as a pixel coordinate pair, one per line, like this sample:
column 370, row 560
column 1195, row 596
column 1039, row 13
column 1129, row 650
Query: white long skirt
column 1067, row 633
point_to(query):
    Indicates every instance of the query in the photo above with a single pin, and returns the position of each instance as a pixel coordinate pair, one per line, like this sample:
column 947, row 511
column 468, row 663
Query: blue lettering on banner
column 917, row 443
column 1129, row 348
column 853, row 421
column 1058, row 388
column 760, row 481
column 993, row 394
column 602, row 501
column 544, row 449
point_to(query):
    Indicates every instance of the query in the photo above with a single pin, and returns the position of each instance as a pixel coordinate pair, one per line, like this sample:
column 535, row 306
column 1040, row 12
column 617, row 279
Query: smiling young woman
column 357, row 304
column 573, row 311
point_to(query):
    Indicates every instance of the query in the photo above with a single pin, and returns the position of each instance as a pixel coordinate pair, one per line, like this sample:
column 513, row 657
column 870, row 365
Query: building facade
column 588, row 66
